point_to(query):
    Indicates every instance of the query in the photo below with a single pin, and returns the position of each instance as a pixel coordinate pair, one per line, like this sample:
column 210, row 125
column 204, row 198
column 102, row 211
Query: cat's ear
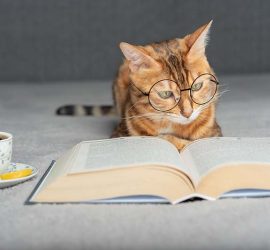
column 138, row 59
column 197, row 41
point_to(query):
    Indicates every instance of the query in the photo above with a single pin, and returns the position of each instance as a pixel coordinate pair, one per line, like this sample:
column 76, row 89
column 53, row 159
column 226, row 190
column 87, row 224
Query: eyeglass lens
column 203, row 89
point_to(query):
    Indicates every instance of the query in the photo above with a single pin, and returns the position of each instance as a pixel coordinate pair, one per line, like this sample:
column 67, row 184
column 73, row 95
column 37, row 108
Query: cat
column 155, row 87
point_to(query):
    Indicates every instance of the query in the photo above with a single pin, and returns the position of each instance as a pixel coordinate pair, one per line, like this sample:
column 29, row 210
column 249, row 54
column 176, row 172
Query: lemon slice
column 16, row 174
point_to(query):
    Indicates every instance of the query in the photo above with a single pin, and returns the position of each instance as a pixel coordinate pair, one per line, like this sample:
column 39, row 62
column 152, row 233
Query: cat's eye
column 203, row 89
column 196, row 86
column 165, row 94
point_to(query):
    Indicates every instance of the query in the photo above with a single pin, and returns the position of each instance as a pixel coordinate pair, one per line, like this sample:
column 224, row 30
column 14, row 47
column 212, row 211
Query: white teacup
column 5, row 150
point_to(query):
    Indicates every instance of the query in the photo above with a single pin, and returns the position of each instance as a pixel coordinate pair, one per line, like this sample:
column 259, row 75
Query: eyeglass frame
column 148, row 94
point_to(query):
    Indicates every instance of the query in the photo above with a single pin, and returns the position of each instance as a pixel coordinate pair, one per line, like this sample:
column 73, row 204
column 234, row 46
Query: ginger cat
column 179, row 60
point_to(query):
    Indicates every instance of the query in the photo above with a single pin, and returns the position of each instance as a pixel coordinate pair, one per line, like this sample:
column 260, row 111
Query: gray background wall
column 78, row 39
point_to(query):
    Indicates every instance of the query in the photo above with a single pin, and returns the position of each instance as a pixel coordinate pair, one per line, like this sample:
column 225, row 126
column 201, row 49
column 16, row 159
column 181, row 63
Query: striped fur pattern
column 181, row 60
column 84, row 110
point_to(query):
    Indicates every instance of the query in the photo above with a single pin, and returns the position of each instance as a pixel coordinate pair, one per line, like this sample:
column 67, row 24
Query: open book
column 150, row 169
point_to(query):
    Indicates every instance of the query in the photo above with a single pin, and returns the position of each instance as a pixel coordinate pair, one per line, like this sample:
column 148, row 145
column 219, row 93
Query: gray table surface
column 27, row 111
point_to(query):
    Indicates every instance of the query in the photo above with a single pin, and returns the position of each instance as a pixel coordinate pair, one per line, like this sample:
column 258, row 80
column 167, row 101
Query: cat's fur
column 174, row 59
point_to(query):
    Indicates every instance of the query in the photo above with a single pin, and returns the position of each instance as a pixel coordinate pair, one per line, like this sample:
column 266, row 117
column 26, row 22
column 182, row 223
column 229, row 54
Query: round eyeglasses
column 165, row 94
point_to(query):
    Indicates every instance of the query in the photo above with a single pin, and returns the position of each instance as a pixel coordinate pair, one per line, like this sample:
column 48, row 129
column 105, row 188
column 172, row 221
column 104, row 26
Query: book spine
column 28, row 200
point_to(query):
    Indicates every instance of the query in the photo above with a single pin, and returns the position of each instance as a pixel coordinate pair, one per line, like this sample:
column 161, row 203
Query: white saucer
column 17, row 166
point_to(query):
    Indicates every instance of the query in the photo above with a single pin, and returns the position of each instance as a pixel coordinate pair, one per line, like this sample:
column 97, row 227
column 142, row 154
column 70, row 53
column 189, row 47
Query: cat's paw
column 179, row 143
column 183, row 144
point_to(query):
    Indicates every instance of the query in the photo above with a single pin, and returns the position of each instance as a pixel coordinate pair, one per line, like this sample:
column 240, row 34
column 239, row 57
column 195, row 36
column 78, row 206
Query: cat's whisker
column 141, row 116
column 221, row 93
column 223, row 85
column 224, row 91
column 134, row 105
column 171, row 115
column 205, row 106
column 156, row 119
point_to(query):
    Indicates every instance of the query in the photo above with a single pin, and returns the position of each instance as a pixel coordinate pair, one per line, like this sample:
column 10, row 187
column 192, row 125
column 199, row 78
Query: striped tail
column 86, row 110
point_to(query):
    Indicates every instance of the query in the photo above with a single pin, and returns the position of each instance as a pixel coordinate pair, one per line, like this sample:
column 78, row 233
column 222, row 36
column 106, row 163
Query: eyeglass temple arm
column 215, row 81
column 139, row 89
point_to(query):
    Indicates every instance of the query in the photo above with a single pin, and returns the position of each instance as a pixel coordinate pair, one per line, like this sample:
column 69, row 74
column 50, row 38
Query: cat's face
column 179, row 60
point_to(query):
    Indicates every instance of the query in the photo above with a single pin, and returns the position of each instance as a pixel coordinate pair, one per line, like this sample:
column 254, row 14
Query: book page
column 205, row 154
column 56, row 169
column 126, row 151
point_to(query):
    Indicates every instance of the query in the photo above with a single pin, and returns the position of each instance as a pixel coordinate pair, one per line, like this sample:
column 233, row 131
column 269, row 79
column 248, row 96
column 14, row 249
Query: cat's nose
column 187, row 112
column 186, row 108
